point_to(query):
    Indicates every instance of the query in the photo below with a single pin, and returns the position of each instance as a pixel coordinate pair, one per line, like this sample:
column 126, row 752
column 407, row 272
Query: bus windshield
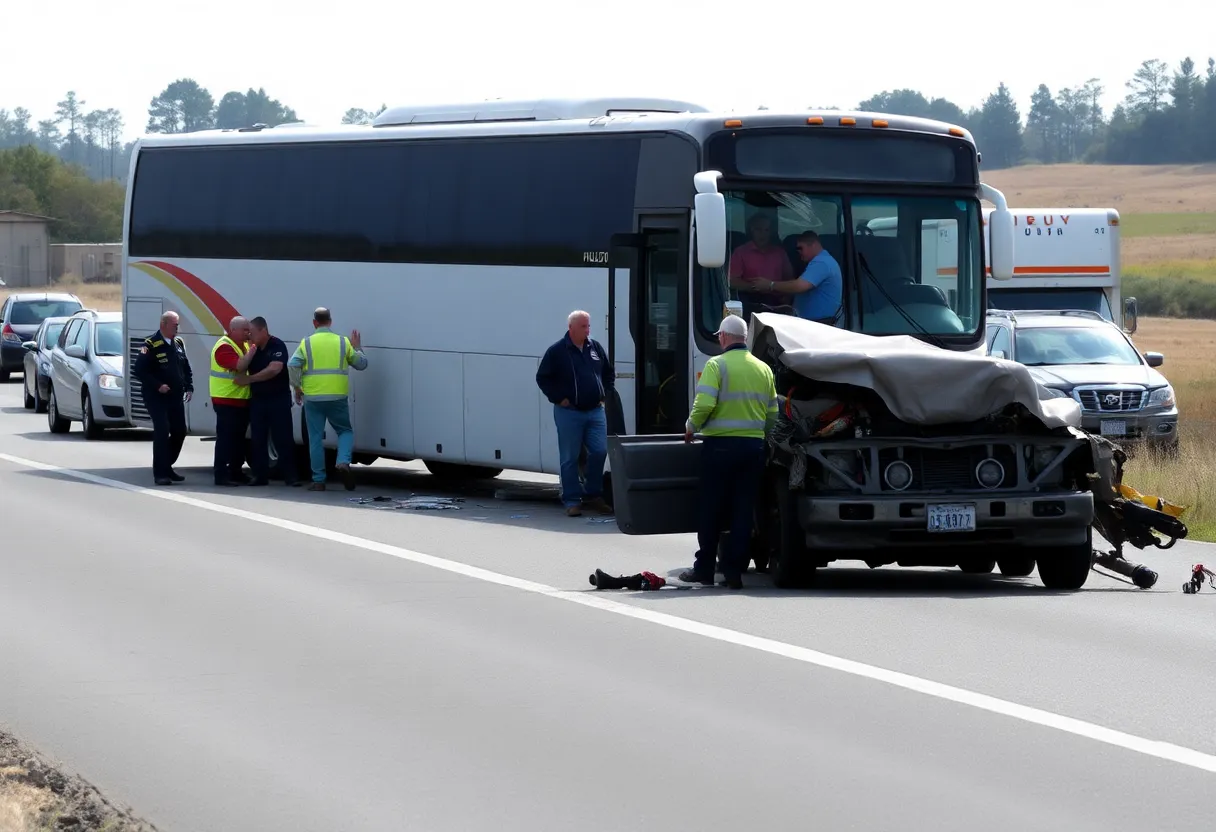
column 910, row 265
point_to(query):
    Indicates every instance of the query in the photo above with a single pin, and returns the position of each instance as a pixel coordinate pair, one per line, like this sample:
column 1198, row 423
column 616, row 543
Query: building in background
column 91, row 262
column 25, row 255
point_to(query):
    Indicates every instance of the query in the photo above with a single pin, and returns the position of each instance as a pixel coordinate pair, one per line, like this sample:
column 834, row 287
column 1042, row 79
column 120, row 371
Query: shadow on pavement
column 502, row 501
column 843, row 581
column 75, row 433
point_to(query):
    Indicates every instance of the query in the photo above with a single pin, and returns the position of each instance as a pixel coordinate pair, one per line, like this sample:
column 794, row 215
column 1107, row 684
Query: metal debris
column 412, row 503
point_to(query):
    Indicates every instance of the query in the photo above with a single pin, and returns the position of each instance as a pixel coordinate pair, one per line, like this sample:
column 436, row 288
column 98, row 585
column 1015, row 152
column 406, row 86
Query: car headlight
column 1161, row 397
column 990, row 473
column 109, row 382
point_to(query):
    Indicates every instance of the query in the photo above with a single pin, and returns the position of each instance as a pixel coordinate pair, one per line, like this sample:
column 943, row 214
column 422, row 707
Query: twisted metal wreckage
column 887, row 444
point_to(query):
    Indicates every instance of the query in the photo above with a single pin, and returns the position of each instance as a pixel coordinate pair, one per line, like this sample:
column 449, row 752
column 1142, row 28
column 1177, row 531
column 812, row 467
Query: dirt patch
column 36, row 796
column 1130, row 189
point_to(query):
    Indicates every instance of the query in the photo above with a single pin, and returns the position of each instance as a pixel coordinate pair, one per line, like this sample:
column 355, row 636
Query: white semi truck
column 1064, row 258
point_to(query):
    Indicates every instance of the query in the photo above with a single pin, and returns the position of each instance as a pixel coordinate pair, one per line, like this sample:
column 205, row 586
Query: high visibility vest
column 326, row 366
column 222, row 382
column 736, row 396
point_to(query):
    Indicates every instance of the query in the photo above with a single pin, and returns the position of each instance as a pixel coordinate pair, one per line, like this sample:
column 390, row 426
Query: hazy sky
column 323, row 58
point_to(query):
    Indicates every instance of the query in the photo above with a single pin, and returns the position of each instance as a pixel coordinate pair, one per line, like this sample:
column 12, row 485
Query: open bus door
column 655, row 475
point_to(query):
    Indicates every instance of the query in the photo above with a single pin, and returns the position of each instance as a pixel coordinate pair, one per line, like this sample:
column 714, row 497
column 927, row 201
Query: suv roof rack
column 1080, row 313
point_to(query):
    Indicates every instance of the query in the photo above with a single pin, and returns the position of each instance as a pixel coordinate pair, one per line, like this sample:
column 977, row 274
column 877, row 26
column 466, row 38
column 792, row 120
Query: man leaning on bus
column 319, row 374
column 576, row 376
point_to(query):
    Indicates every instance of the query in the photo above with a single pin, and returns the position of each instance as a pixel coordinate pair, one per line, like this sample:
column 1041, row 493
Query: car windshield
column 31, row 312
column 108, row 338
column 51, row 333
column 1040, row 346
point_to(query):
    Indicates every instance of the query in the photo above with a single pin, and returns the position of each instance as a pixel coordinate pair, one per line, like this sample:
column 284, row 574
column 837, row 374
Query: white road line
column 1153, row 748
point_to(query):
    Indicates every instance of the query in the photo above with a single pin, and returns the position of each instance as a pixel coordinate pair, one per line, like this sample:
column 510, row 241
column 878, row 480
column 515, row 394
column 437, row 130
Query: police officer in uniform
column 167, row 384
column 735, row 407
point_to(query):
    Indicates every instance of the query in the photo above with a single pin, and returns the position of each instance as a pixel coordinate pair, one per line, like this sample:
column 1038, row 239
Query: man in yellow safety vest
column 735, row 407
column 229, row 358
column 318, row 373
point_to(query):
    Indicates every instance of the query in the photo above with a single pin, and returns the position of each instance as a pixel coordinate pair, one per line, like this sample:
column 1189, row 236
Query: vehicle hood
column 920, row 383
column 111, row 364
column 1070, row 375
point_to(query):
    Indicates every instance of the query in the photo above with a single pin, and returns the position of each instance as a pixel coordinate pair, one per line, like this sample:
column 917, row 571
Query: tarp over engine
column 920, row 383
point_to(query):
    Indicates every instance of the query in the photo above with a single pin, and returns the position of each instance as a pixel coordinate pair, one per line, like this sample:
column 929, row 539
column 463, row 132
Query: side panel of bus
column 454, row 343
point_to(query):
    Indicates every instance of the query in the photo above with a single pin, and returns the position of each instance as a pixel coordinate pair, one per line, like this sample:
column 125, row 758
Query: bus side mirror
column 1130, row 316
column 710, row 209
column 1000, row 241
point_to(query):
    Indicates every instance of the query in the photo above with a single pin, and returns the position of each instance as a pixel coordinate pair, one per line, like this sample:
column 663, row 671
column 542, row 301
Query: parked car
column 1082, row 355
column 87, row 374
column 38, row 363
column 20, row 317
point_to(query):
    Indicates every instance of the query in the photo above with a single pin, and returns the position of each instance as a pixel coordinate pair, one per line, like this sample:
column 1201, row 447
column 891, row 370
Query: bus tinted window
column 543, row 201
column 847, row 156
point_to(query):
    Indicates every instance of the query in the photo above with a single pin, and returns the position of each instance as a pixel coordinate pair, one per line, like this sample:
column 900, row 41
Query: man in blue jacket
column 576, row 377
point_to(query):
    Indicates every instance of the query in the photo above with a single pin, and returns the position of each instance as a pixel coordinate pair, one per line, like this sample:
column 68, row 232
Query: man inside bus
column 575, row 375
column 758, row 262
column 817, row 292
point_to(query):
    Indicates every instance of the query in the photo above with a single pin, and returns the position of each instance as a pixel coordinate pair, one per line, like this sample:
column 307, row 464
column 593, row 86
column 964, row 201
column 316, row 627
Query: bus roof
column 553, row 117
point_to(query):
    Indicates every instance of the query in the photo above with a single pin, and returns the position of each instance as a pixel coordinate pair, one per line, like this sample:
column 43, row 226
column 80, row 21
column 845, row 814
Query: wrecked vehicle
column 890, row 450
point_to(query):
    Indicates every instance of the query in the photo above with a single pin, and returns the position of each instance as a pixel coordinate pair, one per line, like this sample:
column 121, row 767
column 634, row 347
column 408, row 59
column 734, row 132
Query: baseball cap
column 732, row 325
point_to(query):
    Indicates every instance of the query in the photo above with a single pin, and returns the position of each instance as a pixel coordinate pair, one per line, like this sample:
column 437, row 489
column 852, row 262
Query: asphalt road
column 274, row 659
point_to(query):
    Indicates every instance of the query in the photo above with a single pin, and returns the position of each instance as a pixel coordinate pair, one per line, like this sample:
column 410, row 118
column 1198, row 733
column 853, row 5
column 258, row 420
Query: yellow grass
column 1130, row 189
column 1190, row 480
column 104, row 297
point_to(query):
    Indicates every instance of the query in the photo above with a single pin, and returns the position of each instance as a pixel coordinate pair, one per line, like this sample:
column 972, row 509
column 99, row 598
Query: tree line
column 1167, row 116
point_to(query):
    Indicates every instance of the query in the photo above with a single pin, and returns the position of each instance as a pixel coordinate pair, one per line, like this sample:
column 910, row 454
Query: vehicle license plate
column 1114, row 427
column 951, row 518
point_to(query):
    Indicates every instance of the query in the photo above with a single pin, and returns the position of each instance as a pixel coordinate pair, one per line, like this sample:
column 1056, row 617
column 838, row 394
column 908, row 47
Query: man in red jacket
column 231, row 355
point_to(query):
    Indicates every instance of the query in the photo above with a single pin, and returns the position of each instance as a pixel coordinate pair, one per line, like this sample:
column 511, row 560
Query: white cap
column 733, row 325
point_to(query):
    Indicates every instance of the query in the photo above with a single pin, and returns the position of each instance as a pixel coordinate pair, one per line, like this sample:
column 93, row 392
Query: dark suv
column 20, row 317
column 1088, row 358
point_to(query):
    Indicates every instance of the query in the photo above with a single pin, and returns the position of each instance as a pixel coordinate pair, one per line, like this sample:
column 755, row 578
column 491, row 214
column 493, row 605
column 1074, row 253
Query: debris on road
column 641, row 581
column 411, row 503
column 1140, row 574
column 34, row 795
column 1198, row 573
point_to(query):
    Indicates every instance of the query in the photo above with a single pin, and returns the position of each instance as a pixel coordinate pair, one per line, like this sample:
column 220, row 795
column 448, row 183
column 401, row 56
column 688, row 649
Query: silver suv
column 1082, row 355
column 87, row 374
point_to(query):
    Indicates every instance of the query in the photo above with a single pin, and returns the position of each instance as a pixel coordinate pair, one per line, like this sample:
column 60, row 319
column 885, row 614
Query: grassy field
column 1168, row 223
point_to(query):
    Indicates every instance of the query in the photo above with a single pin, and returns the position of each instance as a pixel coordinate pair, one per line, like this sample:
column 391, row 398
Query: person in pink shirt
column 758, row 261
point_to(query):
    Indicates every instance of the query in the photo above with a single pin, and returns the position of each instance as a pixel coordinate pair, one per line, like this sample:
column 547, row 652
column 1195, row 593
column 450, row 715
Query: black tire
column 92, row 430
column 54, row 421
column 29, row 400
column 977, row 567
column 39, row 402
column 1066, row 567
column 457, row 472
column 1015, row 566
column 789, row 560
column 4, row 376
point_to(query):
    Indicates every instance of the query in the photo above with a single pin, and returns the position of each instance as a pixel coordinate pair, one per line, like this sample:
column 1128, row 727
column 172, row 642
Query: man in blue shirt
column 575, row 375
column 817, row 292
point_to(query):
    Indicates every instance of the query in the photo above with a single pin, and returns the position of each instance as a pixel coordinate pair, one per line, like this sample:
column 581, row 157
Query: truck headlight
column 898, row 475
column 108, row 382
column 1161, row 397
column 990, row 473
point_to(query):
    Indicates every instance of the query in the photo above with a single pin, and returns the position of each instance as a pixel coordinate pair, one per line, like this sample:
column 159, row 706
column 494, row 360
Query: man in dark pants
column 230, row 359
column 167, row 383
column 735, row 408
column 269, row 405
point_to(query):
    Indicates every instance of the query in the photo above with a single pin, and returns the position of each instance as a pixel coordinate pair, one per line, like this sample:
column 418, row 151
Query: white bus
column 458, row 238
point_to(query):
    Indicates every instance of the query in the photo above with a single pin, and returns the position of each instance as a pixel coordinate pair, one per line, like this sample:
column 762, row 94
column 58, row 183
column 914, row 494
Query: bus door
column 654, row 473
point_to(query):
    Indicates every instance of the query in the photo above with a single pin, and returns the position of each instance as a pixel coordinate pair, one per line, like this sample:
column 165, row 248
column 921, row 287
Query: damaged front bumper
column 993, row 491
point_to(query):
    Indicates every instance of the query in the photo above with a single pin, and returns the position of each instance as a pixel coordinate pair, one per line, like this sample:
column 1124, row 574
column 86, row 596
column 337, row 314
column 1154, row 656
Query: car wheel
column 4, row 376
column 29, row 400
column 56, row 422
column 39, row 402
column 92, row 430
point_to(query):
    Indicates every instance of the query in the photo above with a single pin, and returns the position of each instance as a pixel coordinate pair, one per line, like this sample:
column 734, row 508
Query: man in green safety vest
column 735, row 408
column 318, row 373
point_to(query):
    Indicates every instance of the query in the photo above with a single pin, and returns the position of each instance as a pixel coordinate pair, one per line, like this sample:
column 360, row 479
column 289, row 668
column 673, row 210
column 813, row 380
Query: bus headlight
column 898, row 475
column 990, row 473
